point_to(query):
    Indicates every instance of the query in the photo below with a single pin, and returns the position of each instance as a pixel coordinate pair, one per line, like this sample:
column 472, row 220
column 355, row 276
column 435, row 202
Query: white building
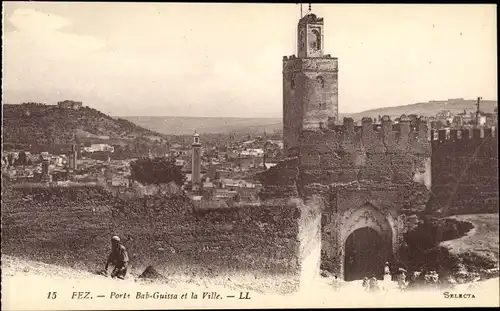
column 99, row 147
column 180, row 162
column 252, row 153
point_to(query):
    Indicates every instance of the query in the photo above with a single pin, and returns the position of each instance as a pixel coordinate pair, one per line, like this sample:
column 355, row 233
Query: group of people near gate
column 417, row 279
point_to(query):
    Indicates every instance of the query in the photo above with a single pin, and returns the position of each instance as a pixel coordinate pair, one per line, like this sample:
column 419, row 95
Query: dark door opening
column 365, row 255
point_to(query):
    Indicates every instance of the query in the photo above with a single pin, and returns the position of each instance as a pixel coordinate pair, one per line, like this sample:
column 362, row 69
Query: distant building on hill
column 443, row 115
column 69, row 104
column 454, row 100
column 99, row 148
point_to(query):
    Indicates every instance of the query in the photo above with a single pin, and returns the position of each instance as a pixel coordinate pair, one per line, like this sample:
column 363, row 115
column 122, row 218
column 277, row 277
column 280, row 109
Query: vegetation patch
column 465, row 243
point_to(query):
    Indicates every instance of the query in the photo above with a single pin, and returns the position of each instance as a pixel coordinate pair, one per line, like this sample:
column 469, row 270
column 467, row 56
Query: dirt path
column 26, row 285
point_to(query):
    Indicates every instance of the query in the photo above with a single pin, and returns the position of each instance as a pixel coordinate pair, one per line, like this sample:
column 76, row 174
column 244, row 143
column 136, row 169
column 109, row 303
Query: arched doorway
column 365, row 254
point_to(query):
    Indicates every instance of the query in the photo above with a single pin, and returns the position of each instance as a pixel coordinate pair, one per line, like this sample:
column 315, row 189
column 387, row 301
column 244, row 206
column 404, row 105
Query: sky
column 225, row 60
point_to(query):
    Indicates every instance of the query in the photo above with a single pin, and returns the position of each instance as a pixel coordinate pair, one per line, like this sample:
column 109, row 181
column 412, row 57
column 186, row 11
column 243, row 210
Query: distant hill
column 33, row 123
column 187, row 125
column 40, row 124
column 428, row 109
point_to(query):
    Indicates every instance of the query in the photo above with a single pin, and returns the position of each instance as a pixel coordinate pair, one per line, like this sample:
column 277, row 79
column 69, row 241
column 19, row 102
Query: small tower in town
column 73, row 157
column 73, row 154
column 310, row 84
column 46, row 177
column 196, row 164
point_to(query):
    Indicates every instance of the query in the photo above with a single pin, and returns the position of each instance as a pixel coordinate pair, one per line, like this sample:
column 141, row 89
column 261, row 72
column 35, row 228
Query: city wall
column 373, row 175
column 465, row 171
column 371, row 154
column 68, row 226
column 382, row 175
column 71, row 226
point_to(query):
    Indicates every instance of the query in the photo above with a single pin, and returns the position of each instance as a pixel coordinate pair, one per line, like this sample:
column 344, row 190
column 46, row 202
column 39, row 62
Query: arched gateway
column 365, row 254
column 366, row 242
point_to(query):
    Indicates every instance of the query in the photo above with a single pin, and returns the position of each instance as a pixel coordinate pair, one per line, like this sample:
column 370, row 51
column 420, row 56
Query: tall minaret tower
column 310, row 84
column 196, row 168
column 74, row 156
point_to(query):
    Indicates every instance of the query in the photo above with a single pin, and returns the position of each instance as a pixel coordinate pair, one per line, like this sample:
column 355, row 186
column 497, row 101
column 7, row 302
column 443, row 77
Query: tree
column 10, row 159
column 156, row 171
column 22, row 159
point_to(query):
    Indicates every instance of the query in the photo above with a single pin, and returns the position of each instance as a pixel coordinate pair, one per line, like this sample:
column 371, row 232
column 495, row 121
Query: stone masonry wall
column 68, row 226
column 391, row 155
column 253, row 238
column 280, row 181
column 465, row 171
column 72, row 226
column 310, row 96
column 347, row 153
column 379, row 171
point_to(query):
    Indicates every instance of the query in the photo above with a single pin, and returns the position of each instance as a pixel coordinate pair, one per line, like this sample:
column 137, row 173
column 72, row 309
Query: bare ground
column 26, row 285
column 481, row 241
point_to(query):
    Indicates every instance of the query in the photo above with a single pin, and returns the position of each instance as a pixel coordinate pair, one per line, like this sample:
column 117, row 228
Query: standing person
column 434, row 279
column 366, row 284
column 402, row 280
column 387, row 283
column 427, row 278
column 118, row 258
column 422, row 278
column 374, row 284
column 387, row 272
column 336, row 282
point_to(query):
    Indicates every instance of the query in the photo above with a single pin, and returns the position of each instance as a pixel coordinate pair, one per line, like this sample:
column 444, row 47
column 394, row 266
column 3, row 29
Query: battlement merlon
column 290, row 57
column 406, row 135
column 311, row 64
column 473, row 135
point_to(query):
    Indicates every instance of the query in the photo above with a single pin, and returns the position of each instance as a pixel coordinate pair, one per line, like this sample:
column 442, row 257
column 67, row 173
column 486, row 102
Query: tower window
column 321, row 81
column 292, row 82
column 321, row 125
column 315, row 39
column 302, row 39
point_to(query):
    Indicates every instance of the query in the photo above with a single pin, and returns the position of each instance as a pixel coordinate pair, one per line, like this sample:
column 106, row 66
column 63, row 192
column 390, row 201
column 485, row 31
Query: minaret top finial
column 310, row 9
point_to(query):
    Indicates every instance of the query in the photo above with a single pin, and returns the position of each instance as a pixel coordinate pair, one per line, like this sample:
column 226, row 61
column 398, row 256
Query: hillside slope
column 33, row 123
column 428, row 109
column 187, row 125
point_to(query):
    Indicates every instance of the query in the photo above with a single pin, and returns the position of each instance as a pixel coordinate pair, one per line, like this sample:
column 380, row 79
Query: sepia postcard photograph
column 168, row 155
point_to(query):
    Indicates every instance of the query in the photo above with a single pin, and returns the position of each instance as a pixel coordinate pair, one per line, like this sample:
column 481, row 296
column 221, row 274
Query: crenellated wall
column 372, row 175
column 465, row 171
column 377, row 175
column 377, row 152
